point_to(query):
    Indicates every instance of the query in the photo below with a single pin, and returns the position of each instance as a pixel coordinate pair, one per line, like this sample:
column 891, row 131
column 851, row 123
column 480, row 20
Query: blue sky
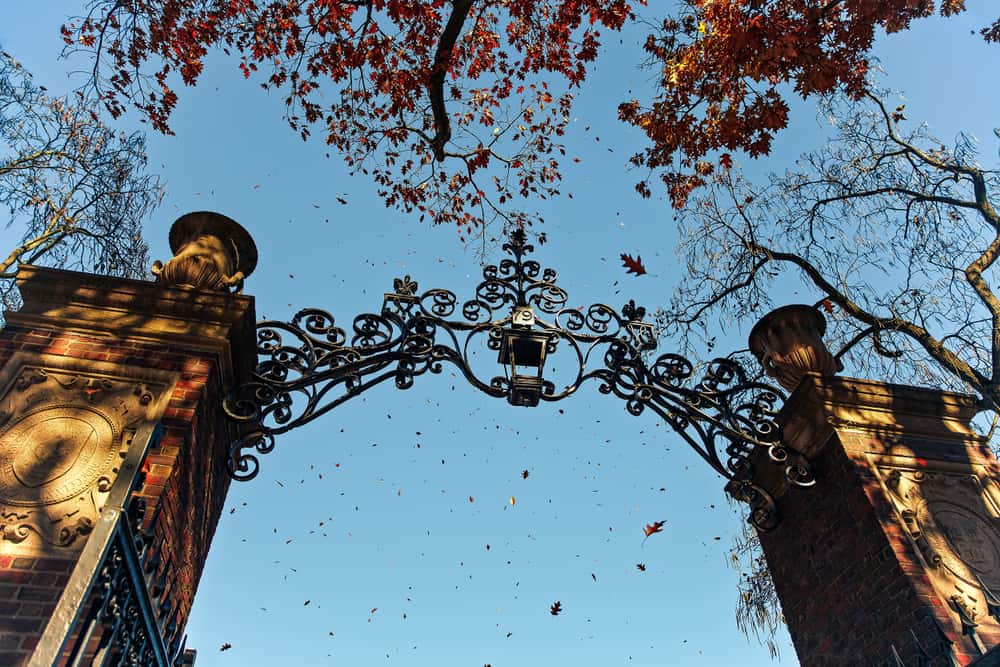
column 386, row 546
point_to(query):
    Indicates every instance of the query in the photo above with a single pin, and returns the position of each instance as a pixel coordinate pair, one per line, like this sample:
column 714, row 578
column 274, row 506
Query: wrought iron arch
column 310, row 365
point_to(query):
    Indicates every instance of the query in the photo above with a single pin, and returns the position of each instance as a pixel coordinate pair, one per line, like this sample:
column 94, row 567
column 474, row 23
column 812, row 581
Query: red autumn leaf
column 633, row 265
column 652, row 528
column 555, row 608
column 524, row 474
column 726, row 160
column 827, row 305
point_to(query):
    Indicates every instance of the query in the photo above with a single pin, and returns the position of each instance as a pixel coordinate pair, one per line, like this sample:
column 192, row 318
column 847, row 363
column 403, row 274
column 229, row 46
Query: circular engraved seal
column 54, row 453
column 968, row 536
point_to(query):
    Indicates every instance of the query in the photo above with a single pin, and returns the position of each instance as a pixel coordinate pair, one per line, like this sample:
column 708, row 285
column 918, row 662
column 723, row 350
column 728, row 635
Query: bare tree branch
column 78, row 189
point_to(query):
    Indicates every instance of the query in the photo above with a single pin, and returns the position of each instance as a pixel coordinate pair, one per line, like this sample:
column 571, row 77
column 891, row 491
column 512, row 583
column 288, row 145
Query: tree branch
column 435, row 85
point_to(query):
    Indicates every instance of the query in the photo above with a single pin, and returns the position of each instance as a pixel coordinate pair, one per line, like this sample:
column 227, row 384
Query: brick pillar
column 895, row 552
column 88, row 365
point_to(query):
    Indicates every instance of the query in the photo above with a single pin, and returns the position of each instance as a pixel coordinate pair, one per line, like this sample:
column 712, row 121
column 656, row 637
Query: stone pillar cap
column 788, row 343
column 756, row 338
column 192, row 225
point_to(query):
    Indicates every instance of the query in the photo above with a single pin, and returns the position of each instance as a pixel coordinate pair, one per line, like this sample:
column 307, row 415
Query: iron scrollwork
column 311, row 364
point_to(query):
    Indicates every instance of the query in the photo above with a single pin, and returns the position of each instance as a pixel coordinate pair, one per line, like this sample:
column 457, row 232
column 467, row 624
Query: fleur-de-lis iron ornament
column 310, row 365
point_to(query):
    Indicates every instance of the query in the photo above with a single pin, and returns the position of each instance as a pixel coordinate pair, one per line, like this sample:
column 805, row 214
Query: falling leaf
column 555, row 608
column 655, row 527
column 471, row 499
column 342, row 200
column 633, row 265
column 306, row 603
column 651, row 528
column 641, row 567
column 512, row 501
column 225, row 647
column 524, row 474
column 827, row 305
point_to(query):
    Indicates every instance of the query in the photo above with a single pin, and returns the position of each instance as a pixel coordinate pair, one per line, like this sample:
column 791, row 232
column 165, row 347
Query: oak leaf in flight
column 652, row 528
column 633, row 265
column 555, row 608
column 655, row 527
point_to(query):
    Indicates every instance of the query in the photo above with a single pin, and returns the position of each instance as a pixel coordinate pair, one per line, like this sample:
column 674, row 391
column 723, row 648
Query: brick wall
column 29, row 587
column 184, row 479
column 848, row 581
column 852, row 580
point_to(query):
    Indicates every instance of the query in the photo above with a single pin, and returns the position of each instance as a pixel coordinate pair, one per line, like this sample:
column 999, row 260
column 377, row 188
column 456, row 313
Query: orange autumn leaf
column 652, row 528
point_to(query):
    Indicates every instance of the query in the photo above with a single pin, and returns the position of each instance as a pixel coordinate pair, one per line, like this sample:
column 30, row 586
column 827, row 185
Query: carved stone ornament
column 63, row 436
column 952, row 519
column 211, row 252
column 788, row 343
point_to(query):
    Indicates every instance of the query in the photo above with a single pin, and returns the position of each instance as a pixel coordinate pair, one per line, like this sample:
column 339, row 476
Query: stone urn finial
column 788, row 343
column 211, row 251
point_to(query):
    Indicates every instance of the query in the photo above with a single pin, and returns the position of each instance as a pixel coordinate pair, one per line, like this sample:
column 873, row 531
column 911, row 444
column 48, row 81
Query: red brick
column 36, row 609
column 12, row 657
column 20, row 624
column 54, row 565
column 48, row 579
column 33, row 594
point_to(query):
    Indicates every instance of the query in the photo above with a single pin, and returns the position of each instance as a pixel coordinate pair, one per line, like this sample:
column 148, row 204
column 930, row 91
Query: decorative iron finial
column 633, row 312
column 211, row 251
column 405, row 286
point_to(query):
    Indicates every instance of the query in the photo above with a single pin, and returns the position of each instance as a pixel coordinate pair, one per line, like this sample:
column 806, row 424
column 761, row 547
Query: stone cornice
column 823, row 405
column 868, row 404
column 180, row 318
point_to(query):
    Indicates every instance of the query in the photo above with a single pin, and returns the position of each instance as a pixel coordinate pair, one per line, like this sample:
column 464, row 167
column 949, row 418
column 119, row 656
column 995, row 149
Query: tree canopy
column 457, row 108
column 726, row 68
